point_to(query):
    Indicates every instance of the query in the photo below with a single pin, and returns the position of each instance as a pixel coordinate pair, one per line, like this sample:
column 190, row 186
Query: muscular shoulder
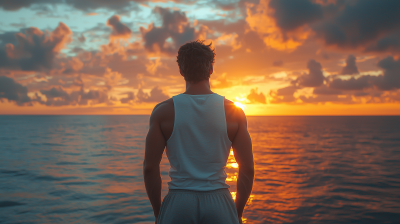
column 163, row 110
column 233, row 112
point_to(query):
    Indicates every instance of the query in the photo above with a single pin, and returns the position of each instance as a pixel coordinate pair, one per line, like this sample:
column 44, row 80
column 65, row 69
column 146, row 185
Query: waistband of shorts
column 183, row 191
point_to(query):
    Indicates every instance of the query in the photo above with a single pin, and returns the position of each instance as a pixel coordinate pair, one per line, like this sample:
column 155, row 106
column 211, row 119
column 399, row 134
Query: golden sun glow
column 240, row 105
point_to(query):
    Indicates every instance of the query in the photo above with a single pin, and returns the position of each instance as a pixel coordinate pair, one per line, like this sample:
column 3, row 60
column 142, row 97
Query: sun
column 240, row 105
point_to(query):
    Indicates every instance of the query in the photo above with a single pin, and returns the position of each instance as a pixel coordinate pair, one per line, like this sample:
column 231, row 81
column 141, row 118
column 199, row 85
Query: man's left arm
column 155, row 144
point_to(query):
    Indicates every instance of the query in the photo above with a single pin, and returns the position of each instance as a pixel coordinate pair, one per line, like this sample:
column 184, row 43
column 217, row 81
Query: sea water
column 88, row 169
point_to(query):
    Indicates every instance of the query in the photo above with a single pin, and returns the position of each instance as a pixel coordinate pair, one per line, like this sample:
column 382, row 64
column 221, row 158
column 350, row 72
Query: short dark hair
column 195, row 59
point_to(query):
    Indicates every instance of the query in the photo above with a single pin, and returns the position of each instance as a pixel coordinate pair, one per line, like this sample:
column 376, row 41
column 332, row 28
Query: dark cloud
column 325, row 98
column 35, row 50
column 290, row 14
column 388, row 43
column 156, row 95
column 56, row 97
column 360, row 83
column 130, row 97
column 315, row 76
column 13, row 91
column 369, row 25
column 60, row 97
column 82, row 38
column 350, row 67
column 175, row 25
column 391, row 76
column 8, row 37
column 97, row 96
column 120, row 30
column 324, row 90
column 390, row 79
column 86, row 5
column 278, row 63
column 15, row 5
column 255, row 97
column 361, row 22
column 117, row 5
column 283, row 95
column 360, row 94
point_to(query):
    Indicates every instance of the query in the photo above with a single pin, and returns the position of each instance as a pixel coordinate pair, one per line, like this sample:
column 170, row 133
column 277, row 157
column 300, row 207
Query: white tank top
column 199, row 146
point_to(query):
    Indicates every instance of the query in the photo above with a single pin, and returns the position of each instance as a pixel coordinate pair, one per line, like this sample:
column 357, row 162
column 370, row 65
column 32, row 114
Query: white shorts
column 208, row 207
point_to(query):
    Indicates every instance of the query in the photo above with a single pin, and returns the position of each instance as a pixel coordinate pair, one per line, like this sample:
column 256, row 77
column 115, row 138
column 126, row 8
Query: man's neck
column 198, row 88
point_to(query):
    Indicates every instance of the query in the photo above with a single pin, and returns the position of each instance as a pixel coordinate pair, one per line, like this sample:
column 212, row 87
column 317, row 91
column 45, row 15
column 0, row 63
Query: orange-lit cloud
column 272, row 35
column 34, row 49
column 270, row 56
column 255, row 97
column 119, row 30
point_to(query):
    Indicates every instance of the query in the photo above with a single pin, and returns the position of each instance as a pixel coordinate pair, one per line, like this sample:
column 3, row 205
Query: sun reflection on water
column 307, row 170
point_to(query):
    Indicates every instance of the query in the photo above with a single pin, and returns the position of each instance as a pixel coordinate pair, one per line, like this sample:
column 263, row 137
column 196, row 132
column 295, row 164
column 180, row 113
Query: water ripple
column 88, row 169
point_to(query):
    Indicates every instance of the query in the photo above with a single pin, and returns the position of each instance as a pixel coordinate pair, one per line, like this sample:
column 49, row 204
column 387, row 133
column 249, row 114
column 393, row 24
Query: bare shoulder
column 233, row 111
column 163, row 110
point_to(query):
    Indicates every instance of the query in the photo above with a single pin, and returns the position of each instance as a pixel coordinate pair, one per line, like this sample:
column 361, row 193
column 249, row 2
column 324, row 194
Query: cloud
column 120, row 30
column 73, row 65
column 82, row 38
column 152, row 65
column 324, row 90
column 325, row 98
column 290, row 15
column 388, row 43
column 360, row 83
column 283, row 95
column 60, row 97
column 156, row 95
column 391, row 76
column 89, row 5
column 15, row 5
column 361, row 23
column 56, row 96
column 350, row 67
column 255, row 97
column 35, row 50
column 368, row 25
column 278, row 63
column 8, row 37
column 390, row 80
column 315, row 76
column 222, row 82
column 86, row 5
column 266, row 18
column 13, row 91
column 130, row 97
column 175, row 25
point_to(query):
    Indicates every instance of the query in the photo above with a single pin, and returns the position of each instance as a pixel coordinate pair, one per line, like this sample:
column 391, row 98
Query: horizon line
column 340, row 115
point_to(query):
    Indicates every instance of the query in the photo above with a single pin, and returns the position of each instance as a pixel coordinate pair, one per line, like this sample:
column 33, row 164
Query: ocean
column 88, row 169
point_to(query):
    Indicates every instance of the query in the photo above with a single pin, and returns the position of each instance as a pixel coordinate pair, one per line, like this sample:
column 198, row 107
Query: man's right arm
column 243, row 152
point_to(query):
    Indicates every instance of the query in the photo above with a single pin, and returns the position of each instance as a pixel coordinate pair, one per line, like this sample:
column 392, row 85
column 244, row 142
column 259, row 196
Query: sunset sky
column 276, row 57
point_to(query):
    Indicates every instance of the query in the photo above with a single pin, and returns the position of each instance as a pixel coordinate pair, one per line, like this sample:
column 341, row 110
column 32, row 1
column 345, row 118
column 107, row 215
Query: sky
column 273, row 57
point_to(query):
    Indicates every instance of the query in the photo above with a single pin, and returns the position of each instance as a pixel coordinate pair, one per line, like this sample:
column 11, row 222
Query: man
column 197, row 128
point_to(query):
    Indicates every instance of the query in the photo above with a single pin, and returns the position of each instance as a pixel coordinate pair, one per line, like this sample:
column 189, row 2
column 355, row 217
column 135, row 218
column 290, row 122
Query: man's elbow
column 150, row 168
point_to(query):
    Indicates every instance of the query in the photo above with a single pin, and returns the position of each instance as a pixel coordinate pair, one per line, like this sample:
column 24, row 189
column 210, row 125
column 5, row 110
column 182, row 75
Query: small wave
column 52, row 144
column 51, row 178
column 10, row 203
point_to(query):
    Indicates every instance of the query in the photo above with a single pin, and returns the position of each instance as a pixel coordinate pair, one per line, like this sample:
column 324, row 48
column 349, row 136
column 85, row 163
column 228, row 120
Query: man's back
column 165, row 114
column 227, row 125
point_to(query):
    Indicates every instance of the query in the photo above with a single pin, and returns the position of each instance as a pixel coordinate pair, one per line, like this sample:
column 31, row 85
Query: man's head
column 195, row 60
